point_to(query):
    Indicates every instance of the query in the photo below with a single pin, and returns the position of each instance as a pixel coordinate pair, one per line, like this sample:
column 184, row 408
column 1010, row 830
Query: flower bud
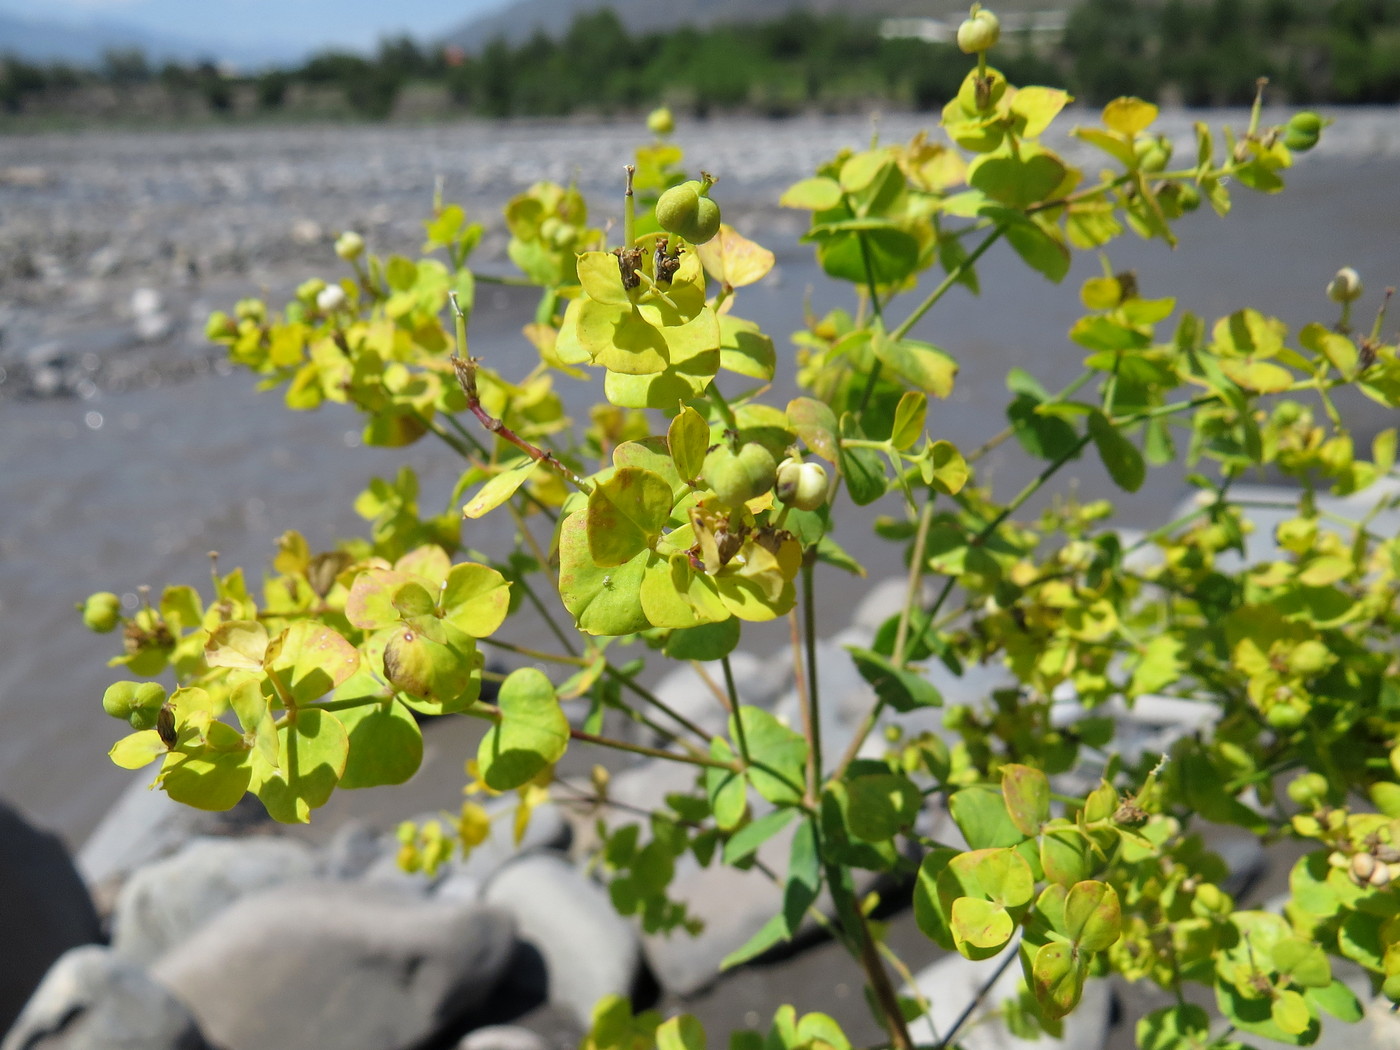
column 349, row 245
column 1346, row 287
column 801, row 486
column 660, row 122
column 330, row 299
column 102, row 611
column 980, row 32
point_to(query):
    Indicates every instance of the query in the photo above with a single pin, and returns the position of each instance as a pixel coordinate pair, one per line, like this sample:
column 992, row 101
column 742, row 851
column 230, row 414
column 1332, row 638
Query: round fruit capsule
column 801, row 485
column 685, row 211
column 978, row 33
column 1346, row 287
column 737, row 477
column 102, row 612
column 1302, row 131
column 660, row 121
column 349, row 245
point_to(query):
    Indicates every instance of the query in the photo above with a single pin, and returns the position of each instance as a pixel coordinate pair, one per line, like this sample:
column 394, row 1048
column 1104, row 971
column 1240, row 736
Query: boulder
column 163, row 903
column 93, row 999
column 309, row 965
column 584, row 948
column 503, row 1037
column 44, row 909
column 145, row 825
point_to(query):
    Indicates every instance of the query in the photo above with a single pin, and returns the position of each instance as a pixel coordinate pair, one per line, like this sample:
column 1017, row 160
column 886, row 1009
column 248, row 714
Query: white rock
column 588, row 950
column 334, row 964
column 165, row 902
column 93, row 999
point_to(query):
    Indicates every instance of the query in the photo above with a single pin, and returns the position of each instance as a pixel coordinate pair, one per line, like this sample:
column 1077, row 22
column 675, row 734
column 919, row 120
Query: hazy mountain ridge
column 519, row 21
column 83, row 43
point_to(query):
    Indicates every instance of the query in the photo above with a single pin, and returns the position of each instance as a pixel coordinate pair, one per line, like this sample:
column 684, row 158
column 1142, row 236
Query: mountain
column 519, row 21
column 83, row 43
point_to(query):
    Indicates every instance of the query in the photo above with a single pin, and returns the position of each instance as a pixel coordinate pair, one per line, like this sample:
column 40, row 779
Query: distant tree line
column 1201, row 52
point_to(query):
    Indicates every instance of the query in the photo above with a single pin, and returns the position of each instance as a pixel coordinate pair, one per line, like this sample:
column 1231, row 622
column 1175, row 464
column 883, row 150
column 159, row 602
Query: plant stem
column 655, row 701
column 947, row 283
column 491, row 712
column 813, row 704
column 1008, row 958
column 629, row 211
column 861, row 944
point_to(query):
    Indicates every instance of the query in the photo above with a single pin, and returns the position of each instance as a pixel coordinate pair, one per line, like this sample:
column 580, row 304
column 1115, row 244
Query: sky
column 299, row 25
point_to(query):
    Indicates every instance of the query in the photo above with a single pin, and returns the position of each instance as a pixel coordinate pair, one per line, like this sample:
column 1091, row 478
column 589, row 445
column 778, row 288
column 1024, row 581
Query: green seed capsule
column 685, row 211
column 102, row 612
column 979, row 33
column 737, row 477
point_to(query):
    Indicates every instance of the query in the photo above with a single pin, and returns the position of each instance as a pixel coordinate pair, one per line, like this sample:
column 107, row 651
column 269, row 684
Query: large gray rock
column 92, row 999
column 162, row 904
column 44, row 909
column 588, row 951
column 953, row 982
column 310, row 965
column 732, row 904
column 145, row 825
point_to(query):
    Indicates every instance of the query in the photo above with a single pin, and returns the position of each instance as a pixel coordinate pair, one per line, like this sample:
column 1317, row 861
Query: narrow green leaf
column 500, row 488
column 748, row 838
column 687, row 438
column 901, row 689
column 909, row 417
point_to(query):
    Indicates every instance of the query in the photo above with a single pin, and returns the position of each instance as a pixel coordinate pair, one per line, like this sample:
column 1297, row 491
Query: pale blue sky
column 298, row 24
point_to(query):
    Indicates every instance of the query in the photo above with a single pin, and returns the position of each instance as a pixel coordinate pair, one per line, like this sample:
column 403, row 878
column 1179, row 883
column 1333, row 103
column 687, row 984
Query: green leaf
column 315, row 749
column 626, row 514
column 1338, row 1000
column 1128, row 116
column 309, row 660
column 603, row 600
column 863, row 468
column 769, row 935
column 980, row 814
column 816, row 425
column 928, row 909
column 1040, row 244
column 1043, row 436
column 726, row 789
column 1027, row 794
column 1122, row 458
column 136, row 750
column 815, row 194
column 532, row 733
column 981, row 928
column 901, row 689
column 921, row 365
column 682, row 1032
column 880, row 805
column 601, row 278
column 1017, row 180
column 1066, row 855
column 500, row 488
column 1093, row 916
column 708, row 641
column 945, row 468
column 778, row 755
column 386, row 745
column 745, row 350
column 909, row 417
column 1057, row 978
column 804, row 878
column 747, row 839
column 475, row 599
column 1174, row 1028
column 239, row 644
column 688, row 438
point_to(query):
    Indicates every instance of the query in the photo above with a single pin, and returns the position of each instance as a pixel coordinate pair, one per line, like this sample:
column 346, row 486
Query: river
column 127, row 453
